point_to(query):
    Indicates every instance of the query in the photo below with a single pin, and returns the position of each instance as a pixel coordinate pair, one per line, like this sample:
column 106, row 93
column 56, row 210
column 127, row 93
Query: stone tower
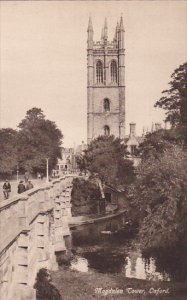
column 106, row 83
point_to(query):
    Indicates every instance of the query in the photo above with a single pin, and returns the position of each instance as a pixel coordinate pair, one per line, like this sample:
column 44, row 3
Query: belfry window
column 106, row 130
column 113, row 71
column 99, row 72
column 106, row 105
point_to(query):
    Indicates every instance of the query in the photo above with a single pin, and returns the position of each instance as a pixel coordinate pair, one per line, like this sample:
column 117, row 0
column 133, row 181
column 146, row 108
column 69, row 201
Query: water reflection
column 110, row 261
column 90, row 250
column 105, row 260
column 79, row 264
column 172, row 262
column 138, row 267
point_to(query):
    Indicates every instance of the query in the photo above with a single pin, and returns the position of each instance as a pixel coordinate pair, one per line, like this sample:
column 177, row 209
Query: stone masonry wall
column 33, row 226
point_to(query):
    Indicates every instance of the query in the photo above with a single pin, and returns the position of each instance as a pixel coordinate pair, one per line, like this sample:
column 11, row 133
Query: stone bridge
column 33, row 226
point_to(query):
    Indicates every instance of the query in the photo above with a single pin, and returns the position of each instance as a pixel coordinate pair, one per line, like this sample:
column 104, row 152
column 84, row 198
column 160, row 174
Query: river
column 108, row 247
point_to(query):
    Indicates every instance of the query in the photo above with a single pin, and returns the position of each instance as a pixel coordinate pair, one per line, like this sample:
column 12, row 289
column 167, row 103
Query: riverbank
column 74, row 285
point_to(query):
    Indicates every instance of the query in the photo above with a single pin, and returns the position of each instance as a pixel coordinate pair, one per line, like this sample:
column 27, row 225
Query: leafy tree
column 84, row 197
column 159, row 195
column 8, row 153
column 80, row 160
column 38, row 139
column 157, row 142
column 105, row 157
column 174, row 100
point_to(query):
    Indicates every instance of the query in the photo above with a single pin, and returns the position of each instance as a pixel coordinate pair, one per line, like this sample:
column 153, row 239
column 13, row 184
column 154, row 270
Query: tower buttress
column 90, row 53
column 90, row 78
column 102, row 35
column 121, row 53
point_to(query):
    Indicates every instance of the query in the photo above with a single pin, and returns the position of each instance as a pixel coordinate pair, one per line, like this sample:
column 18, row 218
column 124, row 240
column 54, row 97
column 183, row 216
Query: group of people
column 22, row 187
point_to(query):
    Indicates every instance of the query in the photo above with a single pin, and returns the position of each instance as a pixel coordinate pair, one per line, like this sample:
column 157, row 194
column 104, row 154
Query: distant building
column 80, row 149
column 133, row 141
column 67, row 162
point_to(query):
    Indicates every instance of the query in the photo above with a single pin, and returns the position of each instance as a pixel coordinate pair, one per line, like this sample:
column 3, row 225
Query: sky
column 43, row 58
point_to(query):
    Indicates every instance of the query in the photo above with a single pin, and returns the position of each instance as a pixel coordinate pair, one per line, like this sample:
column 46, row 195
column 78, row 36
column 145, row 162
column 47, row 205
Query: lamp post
column 47, row 169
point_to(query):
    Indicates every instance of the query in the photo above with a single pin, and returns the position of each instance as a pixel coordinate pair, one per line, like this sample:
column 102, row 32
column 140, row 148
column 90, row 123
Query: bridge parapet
column 32, row 226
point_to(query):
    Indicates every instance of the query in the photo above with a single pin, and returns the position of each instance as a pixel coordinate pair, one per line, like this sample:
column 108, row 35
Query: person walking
column 29, row 185
column 21, row 187
column 6, row 189
column 26, row 176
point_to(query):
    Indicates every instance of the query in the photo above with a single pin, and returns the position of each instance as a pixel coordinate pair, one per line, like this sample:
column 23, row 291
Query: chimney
column 158, row 126
column 132, row 129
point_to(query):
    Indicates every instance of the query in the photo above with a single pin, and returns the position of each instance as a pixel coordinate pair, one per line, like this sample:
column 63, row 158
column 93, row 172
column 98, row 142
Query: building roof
column 133, row 140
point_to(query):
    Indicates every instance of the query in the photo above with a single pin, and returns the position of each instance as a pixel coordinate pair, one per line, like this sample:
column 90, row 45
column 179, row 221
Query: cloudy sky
column 43, row 58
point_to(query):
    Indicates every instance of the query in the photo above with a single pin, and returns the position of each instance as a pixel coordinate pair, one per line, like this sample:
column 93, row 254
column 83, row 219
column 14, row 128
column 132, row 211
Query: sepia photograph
column 93, row 150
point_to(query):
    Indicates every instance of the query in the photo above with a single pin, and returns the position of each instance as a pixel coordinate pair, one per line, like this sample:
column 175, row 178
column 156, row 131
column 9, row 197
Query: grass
column 74, row 285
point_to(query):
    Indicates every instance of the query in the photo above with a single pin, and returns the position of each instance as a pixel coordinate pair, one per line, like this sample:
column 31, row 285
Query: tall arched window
column 113, row 71
column 106, row 105
column 106, row 130
column 99, row 72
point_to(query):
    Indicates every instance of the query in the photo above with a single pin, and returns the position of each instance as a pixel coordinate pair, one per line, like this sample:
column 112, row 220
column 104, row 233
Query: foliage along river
column 106, row 247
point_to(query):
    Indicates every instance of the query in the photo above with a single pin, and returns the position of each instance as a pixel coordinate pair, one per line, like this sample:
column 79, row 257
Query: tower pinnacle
column 90, row 27
column 117, row 32
column 90, row 34
column 105, row 30
column 121, row 24
column 121, row 34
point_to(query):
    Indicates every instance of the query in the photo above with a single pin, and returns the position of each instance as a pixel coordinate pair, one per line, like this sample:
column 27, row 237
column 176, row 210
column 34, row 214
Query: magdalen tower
column 106, row 83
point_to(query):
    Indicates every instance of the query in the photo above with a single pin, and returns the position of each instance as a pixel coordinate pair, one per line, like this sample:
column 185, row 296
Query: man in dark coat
column 6, row 189
column 21, row 187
